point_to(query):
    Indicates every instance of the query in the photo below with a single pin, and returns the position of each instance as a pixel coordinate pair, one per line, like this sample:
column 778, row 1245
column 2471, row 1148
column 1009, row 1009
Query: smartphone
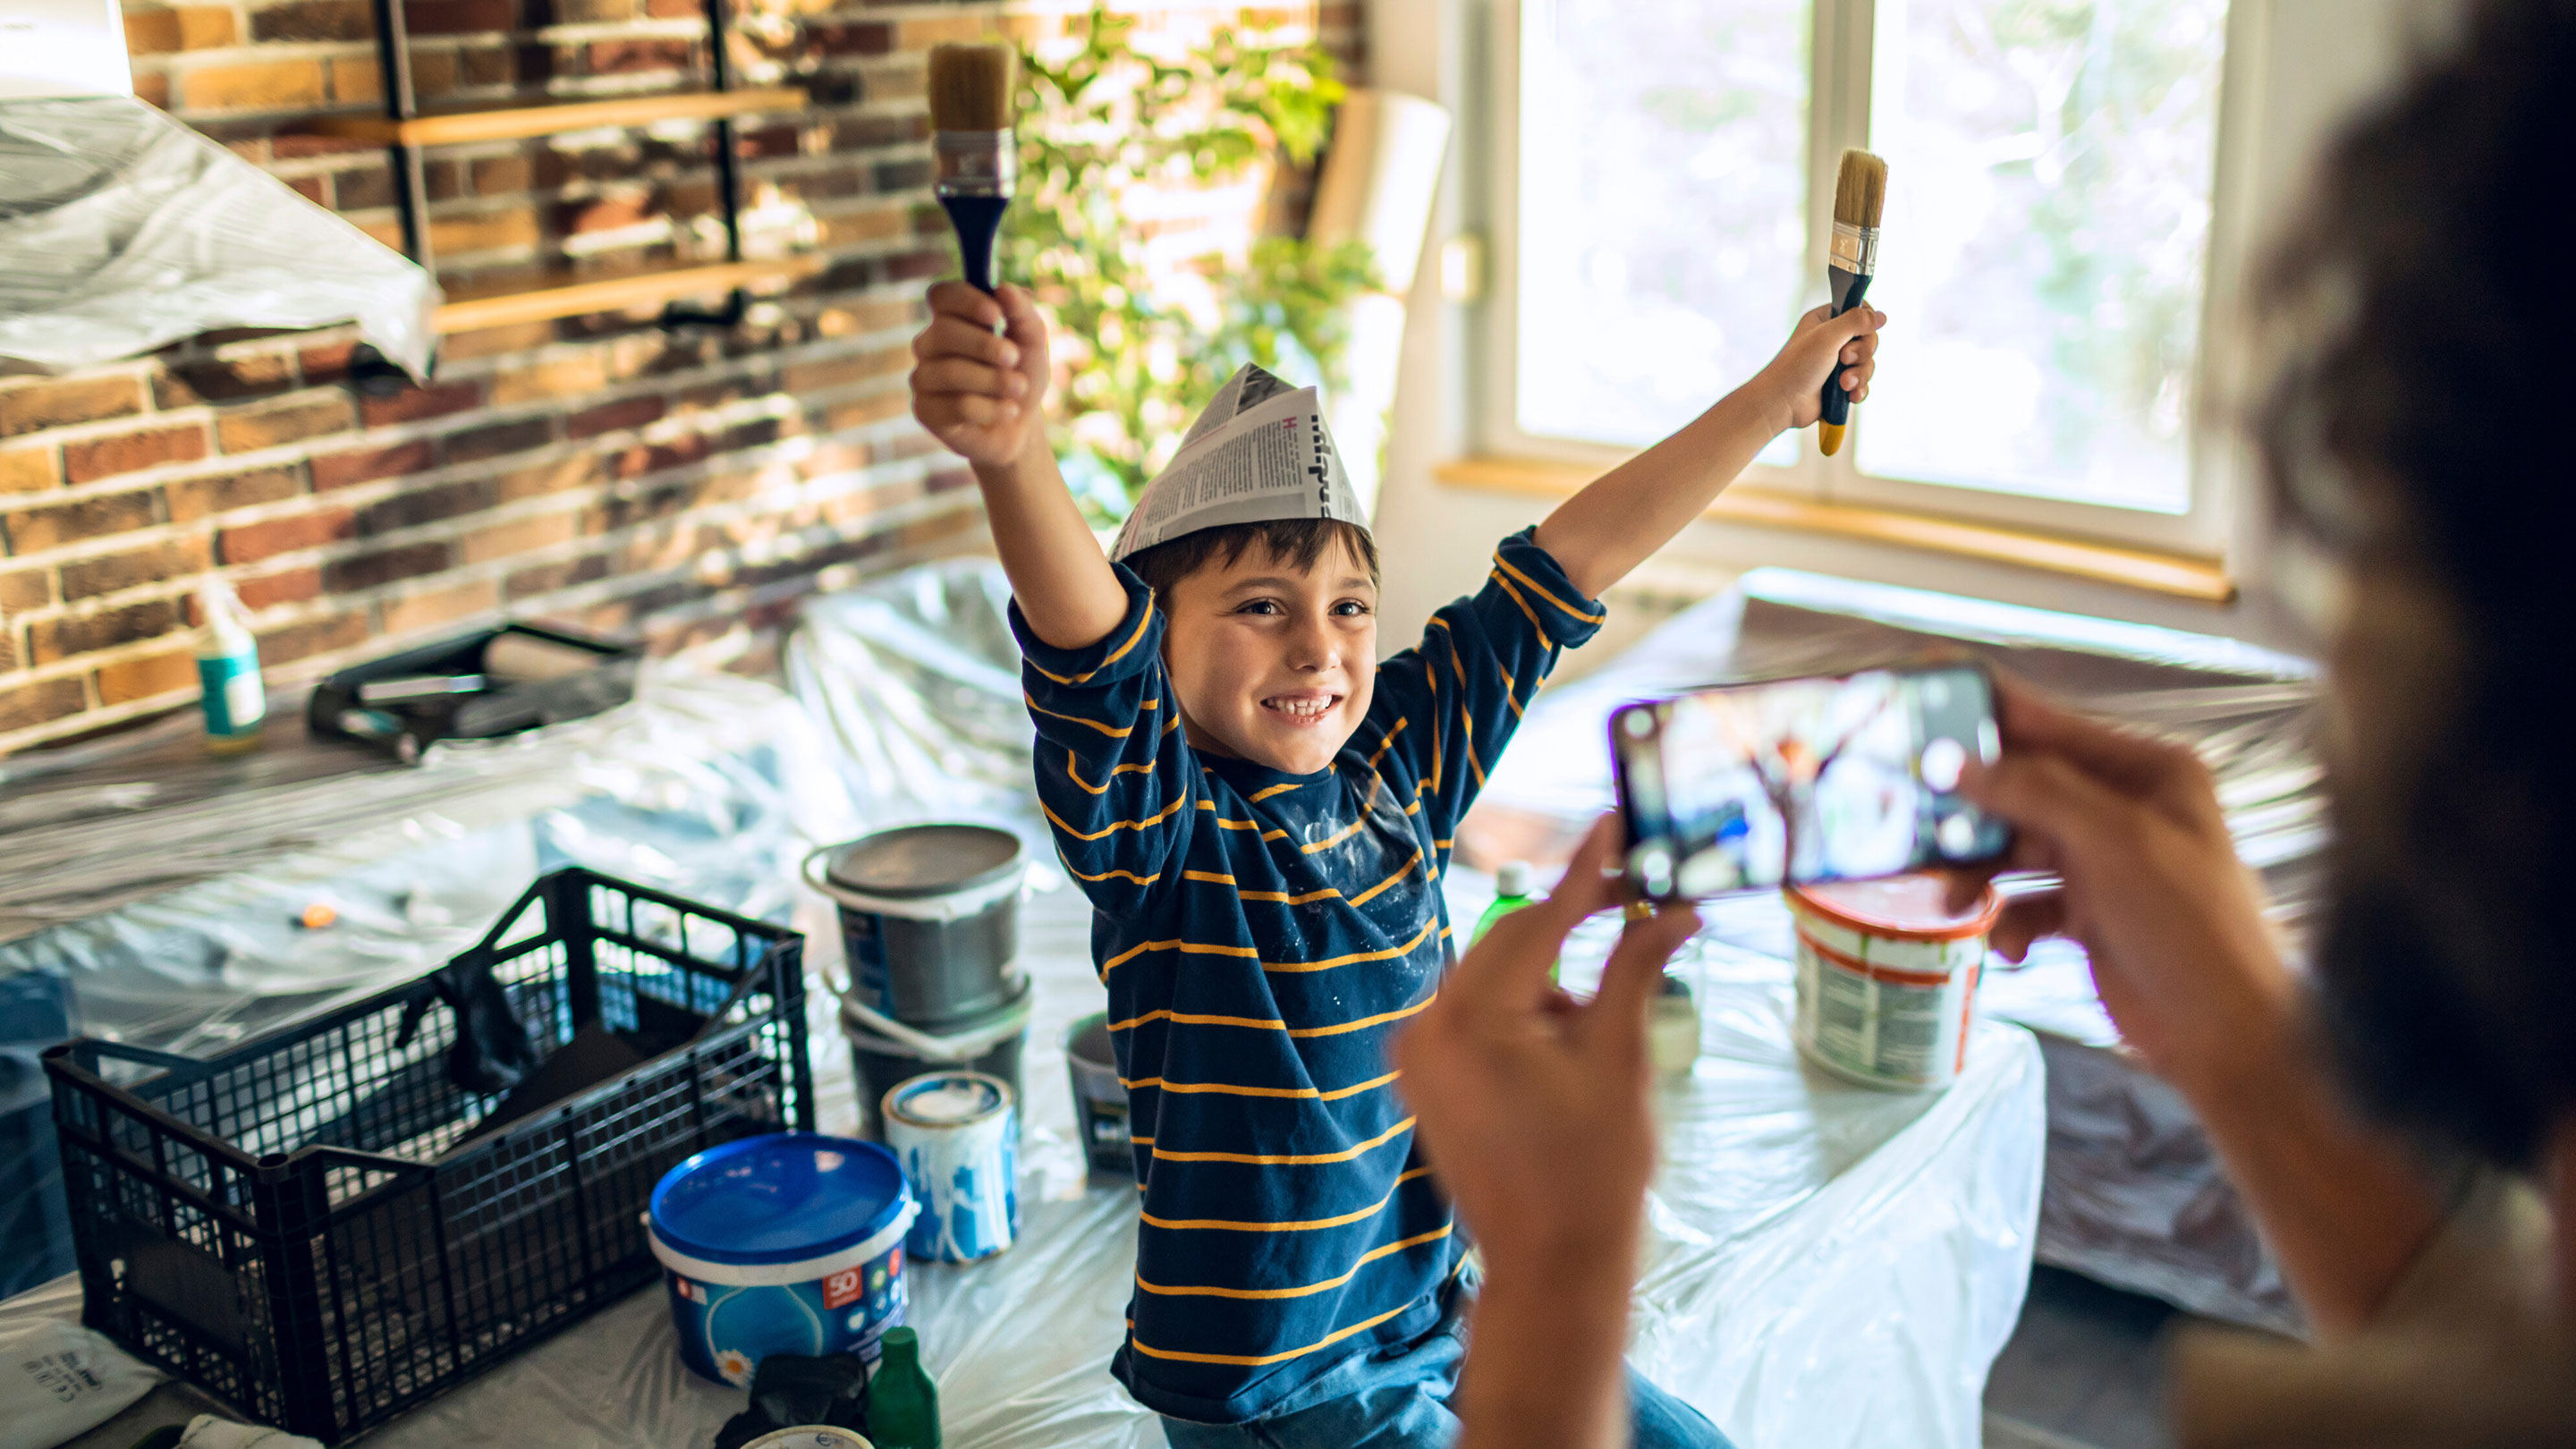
column 1797, row 781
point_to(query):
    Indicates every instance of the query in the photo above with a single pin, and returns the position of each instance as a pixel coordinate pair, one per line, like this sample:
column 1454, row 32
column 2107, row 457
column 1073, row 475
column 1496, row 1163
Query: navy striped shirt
column 1261, row 934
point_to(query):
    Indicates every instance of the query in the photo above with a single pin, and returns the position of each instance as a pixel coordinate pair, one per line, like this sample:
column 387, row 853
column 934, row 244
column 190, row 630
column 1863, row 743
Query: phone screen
column 1805, row 780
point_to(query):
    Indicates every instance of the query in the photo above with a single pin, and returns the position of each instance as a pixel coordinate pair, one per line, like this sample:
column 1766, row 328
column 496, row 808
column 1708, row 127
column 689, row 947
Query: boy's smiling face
column 1273, row 663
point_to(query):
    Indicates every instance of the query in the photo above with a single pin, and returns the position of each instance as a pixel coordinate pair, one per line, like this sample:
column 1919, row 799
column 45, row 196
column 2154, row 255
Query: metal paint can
column 1887, row 979
column 1099, row 1098
column 958, row 1137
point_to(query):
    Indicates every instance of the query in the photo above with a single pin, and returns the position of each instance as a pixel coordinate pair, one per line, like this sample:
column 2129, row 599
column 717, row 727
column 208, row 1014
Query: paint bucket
column 791, row 1242
column 957, row 1135
column 1887, row 979
column 885, row 1053
column 930, row 919
column 1099, row 1098
column 811, row 1436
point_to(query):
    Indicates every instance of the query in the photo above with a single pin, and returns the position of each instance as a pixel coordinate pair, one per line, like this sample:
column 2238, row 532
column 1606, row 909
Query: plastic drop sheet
column 122, row 230
column 1828, row 1267
column 2135, row 1196
column 199, row 872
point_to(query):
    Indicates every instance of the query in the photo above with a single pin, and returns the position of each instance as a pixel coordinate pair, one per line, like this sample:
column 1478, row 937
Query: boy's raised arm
column 981, row 394
column 1623, row 516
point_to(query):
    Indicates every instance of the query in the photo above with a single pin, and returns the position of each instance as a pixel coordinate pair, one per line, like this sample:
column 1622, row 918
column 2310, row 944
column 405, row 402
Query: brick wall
column 686, row 486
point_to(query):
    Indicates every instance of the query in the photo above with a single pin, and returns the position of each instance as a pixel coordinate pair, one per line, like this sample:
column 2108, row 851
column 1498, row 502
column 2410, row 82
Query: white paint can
column 1887, row 979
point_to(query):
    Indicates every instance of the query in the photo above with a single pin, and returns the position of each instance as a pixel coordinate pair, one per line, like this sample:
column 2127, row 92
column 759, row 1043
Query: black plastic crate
column 311, row 1226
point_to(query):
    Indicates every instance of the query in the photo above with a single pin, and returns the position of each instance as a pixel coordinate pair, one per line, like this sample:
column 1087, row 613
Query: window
column 2048, row 251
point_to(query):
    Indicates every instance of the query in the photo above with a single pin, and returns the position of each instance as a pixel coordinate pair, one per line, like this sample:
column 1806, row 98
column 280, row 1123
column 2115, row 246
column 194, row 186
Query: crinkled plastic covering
column 1828, row 1267
column 122, row 230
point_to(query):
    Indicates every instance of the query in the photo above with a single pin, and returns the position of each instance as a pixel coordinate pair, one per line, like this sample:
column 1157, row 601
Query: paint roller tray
column 483, row 685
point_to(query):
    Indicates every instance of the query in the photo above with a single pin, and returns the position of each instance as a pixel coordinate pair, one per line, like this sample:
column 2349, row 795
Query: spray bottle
column 230, row 691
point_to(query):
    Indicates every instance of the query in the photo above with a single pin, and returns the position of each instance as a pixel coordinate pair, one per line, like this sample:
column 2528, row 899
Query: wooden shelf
column 2179, row 575
column 466, row 310
column 458, row 127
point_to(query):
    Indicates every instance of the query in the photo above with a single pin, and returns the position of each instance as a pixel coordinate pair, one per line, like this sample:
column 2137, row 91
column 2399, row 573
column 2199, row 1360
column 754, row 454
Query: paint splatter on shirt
column 1261, row 935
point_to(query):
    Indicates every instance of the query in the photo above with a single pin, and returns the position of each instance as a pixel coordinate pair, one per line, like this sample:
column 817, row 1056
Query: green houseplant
column 1145, row 341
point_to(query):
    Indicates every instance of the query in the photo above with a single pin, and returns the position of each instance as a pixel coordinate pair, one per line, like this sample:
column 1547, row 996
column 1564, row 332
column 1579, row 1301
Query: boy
column 1259, row 812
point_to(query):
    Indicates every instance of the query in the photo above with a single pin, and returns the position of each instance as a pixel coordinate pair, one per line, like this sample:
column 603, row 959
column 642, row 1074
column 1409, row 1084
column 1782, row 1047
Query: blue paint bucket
column 786, row 1243
column 958, row 1137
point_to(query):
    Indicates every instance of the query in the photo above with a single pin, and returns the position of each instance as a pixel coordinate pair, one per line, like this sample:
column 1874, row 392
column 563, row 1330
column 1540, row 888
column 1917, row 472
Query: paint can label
column 1886, row 1013
column 958, row 1136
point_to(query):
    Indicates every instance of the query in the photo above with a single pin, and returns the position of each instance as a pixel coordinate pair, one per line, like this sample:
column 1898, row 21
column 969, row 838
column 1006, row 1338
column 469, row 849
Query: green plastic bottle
column 903, row 1404
column 1511, row 892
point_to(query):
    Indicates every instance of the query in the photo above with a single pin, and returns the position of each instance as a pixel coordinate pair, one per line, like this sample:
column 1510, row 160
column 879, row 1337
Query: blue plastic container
column 786, row 1243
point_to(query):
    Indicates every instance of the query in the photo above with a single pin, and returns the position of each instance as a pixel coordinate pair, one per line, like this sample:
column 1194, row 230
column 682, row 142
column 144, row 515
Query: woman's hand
column 1533, row 1109
column 2152, row 887
column 1794, row 380
column 975, row 390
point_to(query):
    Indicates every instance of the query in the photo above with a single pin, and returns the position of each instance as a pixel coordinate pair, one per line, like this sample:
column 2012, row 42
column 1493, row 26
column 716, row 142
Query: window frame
column 1840, row 94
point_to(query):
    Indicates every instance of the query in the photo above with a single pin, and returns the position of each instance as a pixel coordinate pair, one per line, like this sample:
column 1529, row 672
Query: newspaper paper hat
column 1260, row 452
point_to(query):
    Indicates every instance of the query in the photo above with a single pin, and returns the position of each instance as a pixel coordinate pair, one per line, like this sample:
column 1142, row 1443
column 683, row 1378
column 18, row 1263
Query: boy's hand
column 977, row 392
column 1794, row 381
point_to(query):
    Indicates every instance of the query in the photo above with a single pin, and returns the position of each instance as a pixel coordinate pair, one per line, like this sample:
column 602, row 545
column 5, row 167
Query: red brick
column 416, row 506
column 459, row 17
column 500, row 175
column 206, row 27
column 231, row 379
column 30, row 705
column 441, row 606
column 51, row 639
column 315, row 20
column 673, row 9
column 604, row 214
column 289, row 420
column 287, row 586
column 149, row 677
column 385, row 566
column 29, row 470
column 339, row 470
column 55, row 403
column 251, row 542
column 355, row 79
column 415, row 403
column 319, row 636
column 524, row 536
column 633, row 412
column 152, row 88
column 195, row 498
column 495, row 341
column 91, row 459
column 582, row 12
column 24, row 589
column 151, row 32
column 33, row 530
column 268, row 85
column 498, row 439
column 110, row 573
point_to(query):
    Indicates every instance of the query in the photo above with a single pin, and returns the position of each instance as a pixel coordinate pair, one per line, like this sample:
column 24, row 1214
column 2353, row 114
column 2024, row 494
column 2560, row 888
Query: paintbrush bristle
column 973, row 87
column 1860, row 193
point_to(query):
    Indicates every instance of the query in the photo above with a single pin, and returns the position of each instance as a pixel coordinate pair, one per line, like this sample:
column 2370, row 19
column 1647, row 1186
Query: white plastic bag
column 59, row 1380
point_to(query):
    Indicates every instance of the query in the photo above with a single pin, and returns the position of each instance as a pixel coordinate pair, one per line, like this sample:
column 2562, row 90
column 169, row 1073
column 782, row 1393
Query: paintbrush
column 1860, row 195
column 973, row 89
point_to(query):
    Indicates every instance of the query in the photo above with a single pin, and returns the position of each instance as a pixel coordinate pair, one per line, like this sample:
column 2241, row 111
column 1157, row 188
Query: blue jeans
column 1398, row 1398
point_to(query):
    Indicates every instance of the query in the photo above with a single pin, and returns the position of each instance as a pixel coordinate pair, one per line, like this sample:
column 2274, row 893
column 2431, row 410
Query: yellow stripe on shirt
column 1070, row 759
column 1260, row 795
column 1291, row 1159
column 1120, row 653
column 1364, row 897
column 1515, row 595
column 1249, row 1361
column 1311, row 1225
column 1114, row 826
column 1236, row 1089
column 1371, row 1256
column 1115, row 732
column 1535, row 587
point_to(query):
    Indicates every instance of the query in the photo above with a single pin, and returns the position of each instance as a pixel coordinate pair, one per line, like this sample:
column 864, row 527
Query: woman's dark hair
column 2409, row 431
column 1298, row 541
